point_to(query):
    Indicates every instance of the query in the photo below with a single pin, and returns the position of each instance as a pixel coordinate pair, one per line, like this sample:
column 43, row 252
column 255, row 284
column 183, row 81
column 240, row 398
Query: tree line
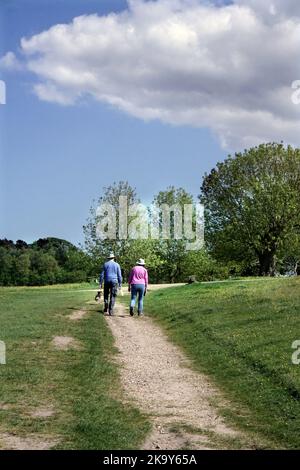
column 252, row 227
column 252, row 221
column 46, row 261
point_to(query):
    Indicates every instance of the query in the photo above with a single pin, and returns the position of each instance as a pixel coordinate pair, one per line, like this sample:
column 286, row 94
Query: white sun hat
column 141, row 262
column 111, row 256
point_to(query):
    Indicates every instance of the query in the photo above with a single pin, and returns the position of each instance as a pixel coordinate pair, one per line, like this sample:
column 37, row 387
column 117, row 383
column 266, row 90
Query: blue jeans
column 137, row 290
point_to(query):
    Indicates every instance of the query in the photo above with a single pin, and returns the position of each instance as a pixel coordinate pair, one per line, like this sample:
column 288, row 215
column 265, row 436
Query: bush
column 202, row 267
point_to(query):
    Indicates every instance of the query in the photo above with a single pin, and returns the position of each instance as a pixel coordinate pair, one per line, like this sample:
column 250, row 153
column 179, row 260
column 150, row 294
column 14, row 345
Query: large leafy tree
column 163, row 257
column 252, row 204
column 127, row 249
column 98, row 246
column 172, row 251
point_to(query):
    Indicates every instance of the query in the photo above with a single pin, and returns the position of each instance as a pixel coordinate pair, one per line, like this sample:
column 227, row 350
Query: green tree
column 171, row 251
column 96, row 246
column 76, row 268
column 6, row 267
column 252, row 203
column 44, row 268
column 289, row 256
column 126, row 249
column 22, row 268
column 21, row 245
column 202, row 267
column 46, row 261
column 146, row 249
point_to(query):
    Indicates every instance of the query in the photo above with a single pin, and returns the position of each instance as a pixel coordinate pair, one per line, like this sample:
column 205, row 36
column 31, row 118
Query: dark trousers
column 110, row 294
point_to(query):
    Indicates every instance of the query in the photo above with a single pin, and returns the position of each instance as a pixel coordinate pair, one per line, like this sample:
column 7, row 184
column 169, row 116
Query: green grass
column 82, row 386
column 241, row 334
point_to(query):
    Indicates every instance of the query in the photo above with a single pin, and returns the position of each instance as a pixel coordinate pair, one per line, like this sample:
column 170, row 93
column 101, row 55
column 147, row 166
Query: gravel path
column 157, row 377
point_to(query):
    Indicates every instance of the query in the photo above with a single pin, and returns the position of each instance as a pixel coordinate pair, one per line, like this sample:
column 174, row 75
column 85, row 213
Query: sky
column 153, row 92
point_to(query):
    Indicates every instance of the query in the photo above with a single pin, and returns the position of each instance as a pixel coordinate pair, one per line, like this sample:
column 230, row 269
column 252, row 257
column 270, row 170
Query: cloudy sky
column 155, row 92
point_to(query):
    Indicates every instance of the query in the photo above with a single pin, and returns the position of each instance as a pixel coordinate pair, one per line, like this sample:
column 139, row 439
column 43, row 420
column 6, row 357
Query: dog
column 98, row 296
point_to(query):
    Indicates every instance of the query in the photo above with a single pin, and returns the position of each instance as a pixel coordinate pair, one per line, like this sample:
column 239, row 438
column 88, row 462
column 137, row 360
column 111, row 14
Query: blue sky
column 55, row 160
column 167, row 95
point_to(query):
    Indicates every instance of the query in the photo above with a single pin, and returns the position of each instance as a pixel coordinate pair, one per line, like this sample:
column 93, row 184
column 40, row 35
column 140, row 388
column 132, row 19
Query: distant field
column 241, row 334
column 61, row 398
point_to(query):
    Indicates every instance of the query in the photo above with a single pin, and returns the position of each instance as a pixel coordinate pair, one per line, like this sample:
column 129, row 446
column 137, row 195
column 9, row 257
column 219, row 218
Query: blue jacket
column 111, row 273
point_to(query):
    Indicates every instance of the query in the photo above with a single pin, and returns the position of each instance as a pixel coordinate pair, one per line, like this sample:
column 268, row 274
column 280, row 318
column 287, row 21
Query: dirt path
column 157, row 377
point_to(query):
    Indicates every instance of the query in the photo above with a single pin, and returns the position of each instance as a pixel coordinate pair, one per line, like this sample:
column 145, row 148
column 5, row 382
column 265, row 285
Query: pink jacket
column 138, row 275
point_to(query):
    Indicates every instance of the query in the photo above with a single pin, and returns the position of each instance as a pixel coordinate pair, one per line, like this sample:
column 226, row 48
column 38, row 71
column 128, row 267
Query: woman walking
column 137, row 285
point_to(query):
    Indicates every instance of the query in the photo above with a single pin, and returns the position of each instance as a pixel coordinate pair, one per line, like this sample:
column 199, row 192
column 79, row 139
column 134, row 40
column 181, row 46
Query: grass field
column 80, row 388
column 241, row 334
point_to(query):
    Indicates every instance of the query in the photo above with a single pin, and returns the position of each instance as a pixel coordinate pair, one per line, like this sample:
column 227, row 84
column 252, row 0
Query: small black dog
column 98, row 295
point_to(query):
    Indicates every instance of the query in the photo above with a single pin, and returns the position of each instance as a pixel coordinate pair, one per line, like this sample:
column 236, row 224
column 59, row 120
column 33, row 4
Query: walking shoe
column 140, row 314
column 131, row 311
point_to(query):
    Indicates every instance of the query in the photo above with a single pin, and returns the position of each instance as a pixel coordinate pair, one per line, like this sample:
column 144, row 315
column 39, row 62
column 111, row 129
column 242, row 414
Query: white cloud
column 10, row 62
column 279, row 8
column 185, row 62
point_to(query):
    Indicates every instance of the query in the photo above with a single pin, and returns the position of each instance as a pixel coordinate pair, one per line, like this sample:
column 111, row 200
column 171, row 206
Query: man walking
column 112, row 277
